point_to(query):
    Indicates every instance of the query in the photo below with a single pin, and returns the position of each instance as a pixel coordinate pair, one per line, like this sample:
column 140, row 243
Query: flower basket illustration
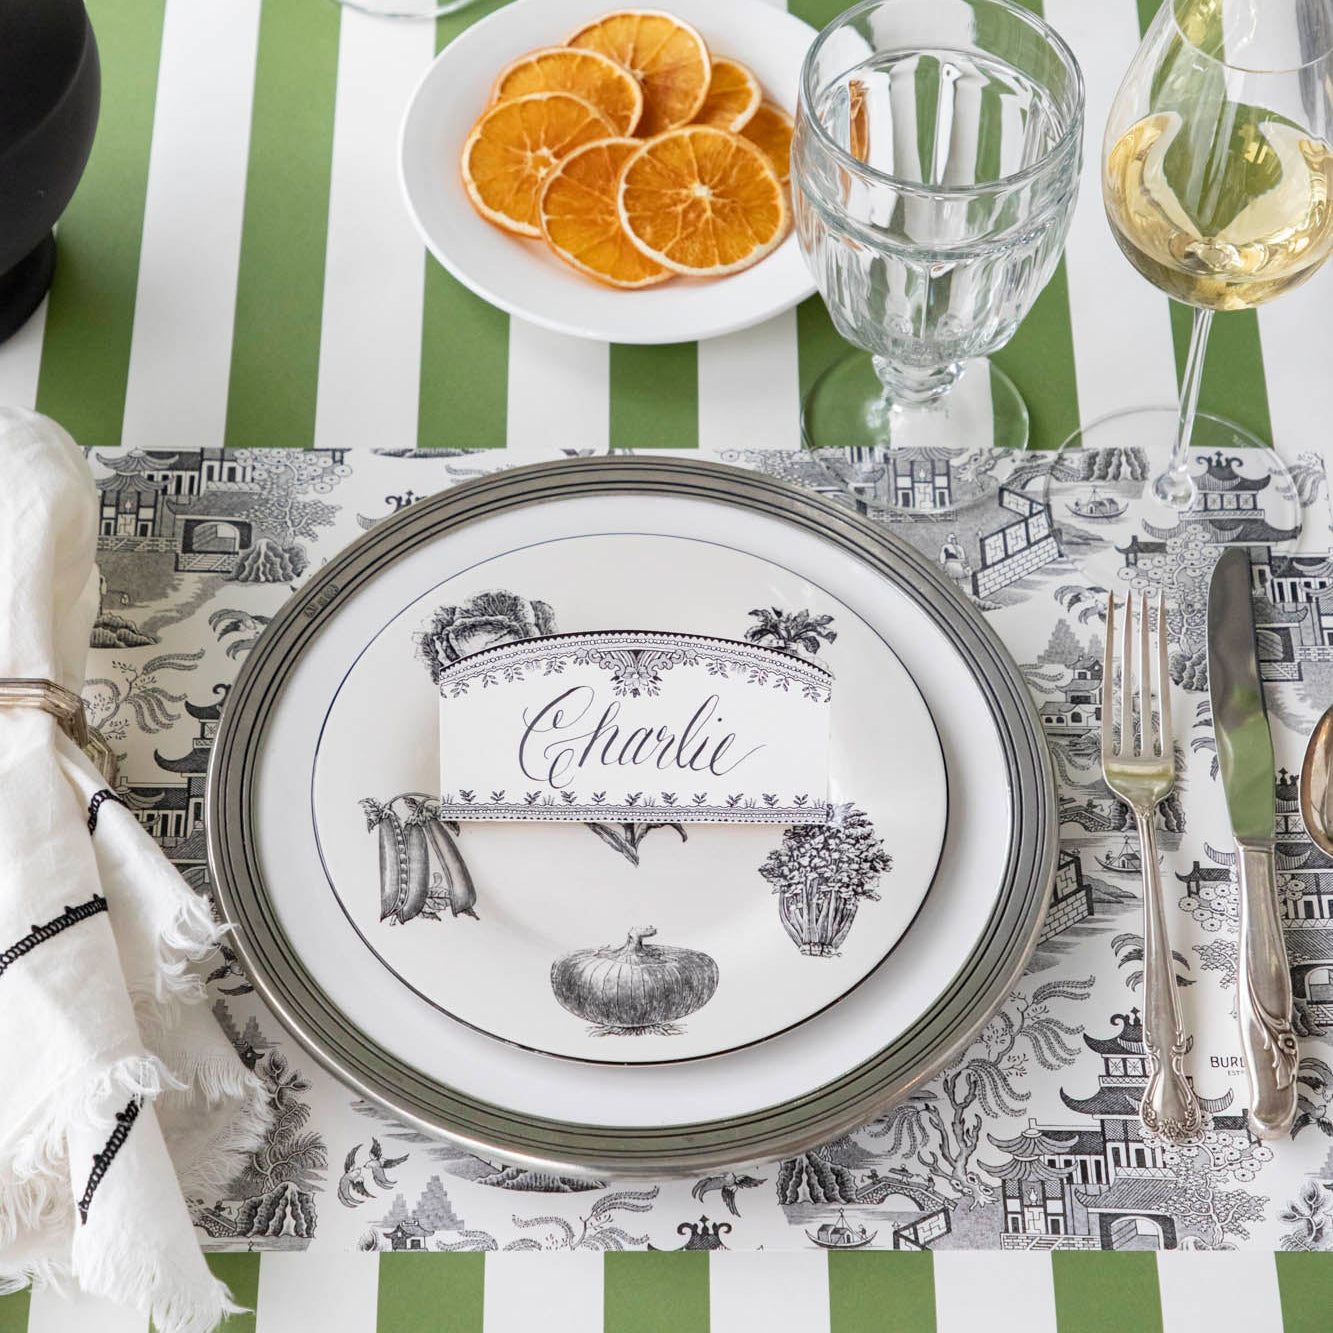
column 820, row 874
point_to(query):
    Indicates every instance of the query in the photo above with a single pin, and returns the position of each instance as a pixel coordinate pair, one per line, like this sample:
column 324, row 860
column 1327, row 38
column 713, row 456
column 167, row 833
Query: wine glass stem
column 1175, row 486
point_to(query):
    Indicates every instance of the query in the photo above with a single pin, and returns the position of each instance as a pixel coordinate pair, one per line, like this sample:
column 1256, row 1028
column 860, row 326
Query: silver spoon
column 1316, row 786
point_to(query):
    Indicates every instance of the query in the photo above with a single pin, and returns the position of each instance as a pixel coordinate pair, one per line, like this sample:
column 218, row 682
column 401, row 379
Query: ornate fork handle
column 1263, row 996
column 1170, row 1107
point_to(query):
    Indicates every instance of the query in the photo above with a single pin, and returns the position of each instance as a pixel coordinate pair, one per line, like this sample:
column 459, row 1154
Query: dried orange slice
column 770, row 128
column 733, row 95
column 702, row 201
column 596, row 78
column 668, row 58
column 516, row 145
column 580, row 221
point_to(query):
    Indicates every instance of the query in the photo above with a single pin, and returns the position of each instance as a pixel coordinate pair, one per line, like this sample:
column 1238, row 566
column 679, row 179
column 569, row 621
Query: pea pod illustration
column 404, row 862
column 421, row 869
column 458, row 886
column 415, row 878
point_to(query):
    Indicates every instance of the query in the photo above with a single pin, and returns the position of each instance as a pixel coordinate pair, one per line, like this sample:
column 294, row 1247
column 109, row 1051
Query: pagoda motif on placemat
column 194, row 501
column 172, row 813
column 1038, row 1201
column 206, row 505
column 912, row 478
column 1068, row 1187
column 1229, row 505
column 1080, row 711
column 878, row 480
column 213, row 515
column 1305, row 900
column 1120, row 1093
column 1294, row 616
column 1132, row 1191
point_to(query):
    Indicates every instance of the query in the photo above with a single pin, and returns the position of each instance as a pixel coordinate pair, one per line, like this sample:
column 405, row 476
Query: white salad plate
column 541, row 892
column 448, row 1017
column 522, row 276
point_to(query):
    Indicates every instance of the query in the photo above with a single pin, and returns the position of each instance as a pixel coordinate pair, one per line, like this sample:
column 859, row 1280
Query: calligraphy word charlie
column 693, row 748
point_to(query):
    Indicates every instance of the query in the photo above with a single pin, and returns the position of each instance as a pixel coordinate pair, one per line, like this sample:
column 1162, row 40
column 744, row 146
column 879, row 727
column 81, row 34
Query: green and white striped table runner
column 237, row 268
column 800, row 1292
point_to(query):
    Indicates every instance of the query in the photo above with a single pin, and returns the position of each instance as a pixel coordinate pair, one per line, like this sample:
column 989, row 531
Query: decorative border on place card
column 636, row 660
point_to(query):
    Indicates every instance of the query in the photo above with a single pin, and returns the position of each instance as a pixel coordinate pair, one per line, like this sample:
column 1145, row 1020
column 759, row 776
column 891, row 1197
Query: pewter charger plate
column 780, row 1089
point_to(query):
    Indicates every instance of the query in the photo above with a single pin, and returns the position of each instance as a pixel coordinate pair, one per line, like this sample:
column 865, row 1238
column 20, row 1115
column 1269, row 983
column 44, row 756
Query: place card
column 634, row 726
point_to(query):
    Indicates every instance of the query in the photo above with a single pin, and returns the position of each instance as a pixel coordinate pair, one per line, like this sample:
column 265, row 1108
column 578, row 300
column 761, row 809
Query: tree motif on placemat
column 1197, row 1197
column 933, row 1136
column 138, row 699
column 285, row 481
column 242, row 627
column 942, row 1126
column 1128, row 950
column 270, row 1203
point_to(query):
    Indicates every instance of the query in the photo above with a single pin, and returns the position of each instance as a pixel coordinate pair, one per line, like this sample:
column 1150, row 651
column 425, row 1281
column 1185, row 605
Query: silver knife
column 1245, row 753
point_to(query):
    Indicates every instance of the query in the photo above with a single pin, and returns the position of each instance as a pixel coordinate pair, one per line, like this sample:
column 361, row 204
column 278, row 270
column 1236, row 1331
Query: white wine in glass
column 1278, row 237
column 1216, row 176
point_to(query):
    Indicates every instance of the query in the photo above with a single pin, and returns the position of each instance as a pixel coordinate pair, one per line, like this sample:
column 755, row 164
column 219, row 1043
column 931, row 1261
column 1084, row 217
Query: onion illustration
column 633, row 989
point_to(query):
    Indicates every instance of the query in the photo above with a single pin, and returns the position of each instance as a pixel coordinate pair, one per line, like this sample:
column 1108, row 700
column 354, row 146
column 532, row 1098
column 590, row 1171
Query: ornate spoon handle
column 1263, row 998
column 1170, row 1107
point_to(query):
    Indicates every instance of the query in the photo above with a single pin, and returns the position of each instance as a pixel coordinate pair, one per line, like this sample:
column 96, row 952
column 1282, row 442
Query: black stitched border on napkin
column 100, row 798
column 40, row 934
column 102, row 1160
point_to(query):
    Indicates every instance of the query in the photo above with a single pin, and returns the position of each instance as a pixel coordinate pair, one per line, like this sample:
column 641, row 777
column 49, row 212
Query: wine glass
column 935, row 164
column 1216, row 172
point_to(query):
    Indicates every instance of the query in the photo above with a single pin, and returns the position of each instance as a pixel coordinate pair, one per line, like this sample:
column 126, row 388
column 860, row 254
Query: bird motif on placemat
column 352, row 1189
column 728, row 1184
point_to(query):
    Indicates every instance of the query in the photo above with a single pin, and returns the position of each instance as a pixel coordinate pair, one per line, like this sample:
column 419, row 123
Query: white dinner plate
column 544, row 892
column 959, row 956
column 522, row 276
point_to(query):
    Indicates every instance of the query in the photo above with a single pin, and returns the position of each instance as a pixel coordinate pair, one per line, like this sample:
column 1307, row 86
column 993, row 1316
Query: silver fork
column 1141, row 770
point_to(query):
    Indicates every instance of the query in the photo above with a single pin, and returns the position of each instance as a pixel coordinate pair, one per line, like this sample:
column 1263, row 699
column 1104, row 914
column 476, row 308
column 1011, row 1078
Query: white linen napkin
column 117, row 1088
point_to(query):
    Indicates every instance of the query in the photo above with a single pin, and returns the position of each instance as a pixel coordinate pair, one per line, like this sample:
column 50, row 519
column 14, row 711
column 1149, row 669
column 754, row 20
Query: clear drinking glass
column 1216, row 174
column 934, row 168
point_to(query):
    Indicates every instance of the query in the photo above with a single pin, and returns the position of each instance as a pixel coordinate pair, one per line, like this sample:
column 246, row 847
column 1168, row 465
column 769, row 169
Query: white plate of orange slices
column 614, row 174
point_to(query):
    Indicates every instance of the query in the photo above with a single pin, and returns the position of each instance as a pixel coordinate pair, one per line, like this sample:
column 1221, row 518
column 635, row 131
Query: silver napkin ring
column 67, row 708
